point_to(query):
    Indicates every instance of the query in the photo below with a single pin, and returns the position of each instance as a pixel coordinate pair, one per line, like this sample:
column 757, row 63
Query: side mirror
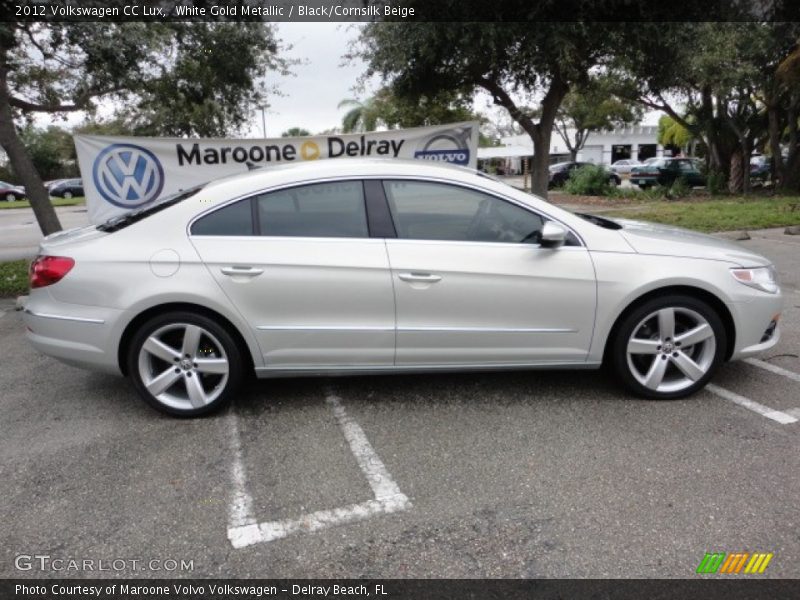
column 553, row 235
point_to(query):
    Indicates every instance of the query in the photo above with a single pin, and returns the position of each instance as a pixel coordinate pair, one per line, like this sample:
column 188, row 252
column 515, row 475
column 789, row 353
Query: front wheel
column 10, row 197
column 185, row 364
column 67, row 195
column 668, row 347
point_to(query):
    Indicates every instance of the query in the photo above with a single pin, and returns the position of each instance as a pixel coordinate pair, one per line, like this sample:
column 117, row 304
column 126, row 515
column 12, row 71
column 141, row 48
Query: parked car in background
column 368, row 266
column 760, row 169
column 560, row 172
column 664, row 171
column 624, row 166
column 10, row 192
column 67, row 188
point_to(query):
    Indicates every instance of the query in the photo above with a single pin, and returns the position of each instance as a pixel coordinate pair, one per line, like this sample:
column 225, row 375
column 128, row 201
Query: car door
column 474, row 287
column 299, row 265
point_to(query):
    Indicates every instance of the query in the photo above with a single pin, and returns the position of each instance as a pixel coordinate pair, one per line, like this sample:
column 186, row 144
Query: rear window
column 234, row 219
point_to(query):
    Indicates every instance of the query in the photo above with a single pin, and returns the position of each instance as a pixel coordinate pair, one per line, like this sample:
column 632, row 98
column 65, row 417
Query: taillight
column 47, row 270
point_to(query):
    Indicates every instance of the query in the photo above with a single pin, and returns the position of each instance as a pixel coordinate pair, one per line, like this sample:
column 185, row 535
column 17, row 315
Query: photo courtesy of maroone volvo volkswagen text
column 367, row 266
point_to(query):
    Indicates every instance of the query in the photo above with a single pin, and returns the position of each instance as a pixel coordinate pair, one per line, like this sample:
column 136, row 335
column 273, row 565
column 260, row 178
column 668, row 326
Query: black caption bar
column 398, row 10
column 392, row 589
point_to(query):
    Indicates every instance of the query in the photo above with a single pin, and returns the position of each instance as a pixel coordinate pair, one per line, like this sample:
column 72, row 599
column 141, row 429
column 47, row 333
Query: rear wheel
column 10, row 197
column 669, row 347
column 185, row 364
column 67, row 195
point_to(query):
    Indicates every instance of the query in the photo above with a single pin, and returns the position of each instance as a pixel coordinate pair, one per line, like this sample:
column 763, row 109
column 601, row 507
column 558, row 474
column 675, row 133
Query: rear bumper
column 75, row 334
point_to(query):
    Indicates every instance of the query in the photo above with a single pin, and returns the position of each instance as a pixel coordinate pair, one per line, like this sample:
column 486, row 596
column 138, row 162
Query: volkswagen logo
column 127, row 175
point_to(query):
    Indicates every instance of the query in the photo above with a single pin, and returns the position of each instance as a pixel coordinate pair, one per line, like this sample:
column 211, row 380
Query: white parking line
column 773, row 368
column 764, row 411
column 244, row 531
column 241, row 510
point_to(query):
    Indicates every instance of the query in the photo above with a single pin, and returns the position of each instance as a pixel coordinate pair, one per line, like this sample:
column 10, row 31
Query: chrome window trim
column 422, row 178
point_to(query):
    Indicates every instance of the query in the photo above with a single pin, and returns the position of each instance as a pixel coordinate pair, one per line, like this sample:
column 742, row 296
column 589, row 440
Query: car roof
column 297, row 172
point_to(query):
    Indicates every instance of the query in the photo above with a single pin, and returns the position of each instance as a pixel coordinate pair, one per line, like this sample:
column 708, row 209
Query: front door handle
column 246, row 271
column 420, row 277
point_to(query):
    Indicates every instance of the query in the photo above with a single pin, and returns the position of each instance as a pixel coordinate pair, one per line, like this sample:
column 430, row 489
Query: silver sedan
column 360, row 267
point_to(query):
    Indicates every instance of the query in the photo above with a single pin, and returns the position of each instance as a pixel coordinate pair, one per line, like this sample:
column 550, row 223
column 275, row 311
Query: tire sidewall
column 634, row 317
column 234, row 354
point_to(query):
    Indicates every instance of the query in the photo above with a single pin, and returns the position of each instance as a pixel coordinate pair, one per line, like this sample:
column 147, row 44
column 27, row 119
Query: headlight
column 761, row 278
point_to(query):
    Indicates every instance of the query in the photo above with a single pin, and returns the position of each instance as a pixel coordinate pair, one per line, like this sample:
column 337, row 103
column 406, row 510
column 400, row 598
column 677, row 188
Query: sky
column 311, row 96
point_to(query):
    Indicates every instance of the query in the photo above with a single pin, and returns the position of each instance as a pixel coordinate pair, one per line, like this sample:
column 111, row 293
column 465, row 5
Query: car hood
column 665, row 240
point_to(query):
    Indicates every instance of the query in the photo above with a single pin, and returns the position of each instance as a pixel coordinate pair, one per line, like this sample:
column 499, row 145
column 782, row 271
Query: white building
column 602, row 147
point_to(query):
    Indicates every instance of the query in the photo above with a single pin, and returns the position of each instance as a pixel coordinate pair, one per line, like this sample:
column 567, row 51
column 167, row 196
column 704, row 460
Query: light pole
column 264, row 122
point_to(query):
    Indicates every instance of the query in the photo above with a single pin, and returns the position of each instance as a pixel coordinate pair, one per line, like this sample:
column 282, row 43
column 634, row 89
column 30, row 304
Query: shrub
column 591, row 180
column 679, row 189
column 716, row 183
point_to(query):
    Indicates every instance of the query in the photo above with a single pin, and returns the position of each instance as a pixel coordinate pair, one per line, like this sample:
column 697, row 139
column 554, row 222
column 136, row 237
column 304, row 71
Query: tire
column 67, row 195
column 654, row 360
column 185, row 377
column 10, row 197
column 644, row 186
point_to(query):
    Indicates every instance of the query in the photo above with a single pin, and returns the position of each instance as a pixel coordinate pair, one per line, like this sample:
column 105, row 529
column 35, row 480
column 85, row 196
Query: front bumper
column 753, row 319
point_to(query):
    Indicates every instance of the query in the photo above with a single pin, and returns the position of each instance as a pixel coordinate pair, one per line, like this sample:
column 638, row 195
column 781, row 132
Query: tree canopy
column 161, row 78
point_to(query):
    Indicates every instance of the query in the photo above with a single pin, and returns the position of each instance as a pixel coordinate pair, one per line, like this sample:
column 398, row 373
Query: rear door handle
column 420, row 277
column 246, row 271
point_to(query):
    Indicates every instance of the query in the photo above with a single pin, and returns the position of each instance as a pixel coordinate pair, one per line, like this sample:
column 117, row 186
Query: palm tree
column 362, row 116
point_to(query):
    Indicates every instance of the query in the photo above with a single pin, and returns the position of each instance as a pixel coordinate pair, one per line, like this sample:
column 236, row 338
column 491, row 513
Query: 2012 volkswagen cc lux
column 361, row 267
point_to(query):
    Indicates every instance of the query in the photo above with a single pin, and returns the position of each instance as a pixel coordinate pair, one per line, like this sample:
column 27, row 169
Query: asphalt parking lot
column 538, row 474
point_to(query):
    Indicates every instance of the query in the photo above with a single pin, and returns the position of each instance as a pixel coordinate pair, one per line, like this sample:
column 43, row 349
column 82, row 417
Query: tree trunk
column 775, row 132
column 23, row 165
column 735, row 179
column 573, row 155
column 540, row 171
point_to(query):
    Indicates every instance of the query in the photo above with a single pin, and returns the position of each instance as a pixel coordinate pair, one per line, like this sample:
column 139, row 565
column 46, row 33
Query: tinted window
column 234, row 219
column 434, row 211
column 334, row 209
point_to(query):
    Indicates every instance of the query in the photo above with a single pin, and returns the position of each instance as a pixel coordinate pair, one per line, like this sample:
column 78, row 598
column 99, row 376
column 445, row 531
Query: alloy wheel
column 671, row 349
column 183, row 366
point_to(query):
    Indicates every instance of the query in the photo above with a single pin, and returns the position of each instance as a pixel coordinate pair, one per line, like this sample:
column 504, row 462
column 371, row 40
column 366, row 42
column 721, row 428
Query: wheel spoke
column 666, row 323
column 191, row 340
column 163, row 381
column 696, row 335
column 687, row 366
column 216, row 366
column 655, row 375
column 160, row 350
column 640, row 346
column 197, row 395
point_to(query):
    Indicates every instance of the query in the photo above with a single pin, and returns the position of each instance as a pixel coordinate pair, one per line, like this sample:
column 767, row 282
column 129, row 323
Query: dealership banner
column 121, row 174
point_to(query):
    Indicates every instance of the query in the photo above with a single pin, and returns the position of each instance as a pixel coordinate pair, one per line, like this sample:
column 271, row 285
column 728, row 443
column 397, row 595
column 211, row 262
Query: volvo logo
column 451, row 145
column 128, row 176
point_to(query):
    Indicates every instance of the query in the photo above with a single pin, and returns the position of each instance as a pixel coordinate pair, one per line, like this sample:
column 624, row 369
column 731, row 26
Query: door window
column 435, row 211
column 332, row 209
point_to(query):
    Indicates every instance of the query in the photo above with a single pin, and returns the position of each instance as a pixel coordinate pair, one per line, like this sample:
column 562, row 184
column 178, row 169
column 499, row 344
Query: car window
column 435, row 211
column 685, row 165
column 234, row 219
column 333, row 209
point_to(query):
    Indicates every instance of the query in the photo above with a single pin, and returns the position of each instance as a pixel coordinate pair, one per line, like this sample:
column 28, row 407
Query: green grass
column 718, row 215
column 55, row 201
column 13, row 278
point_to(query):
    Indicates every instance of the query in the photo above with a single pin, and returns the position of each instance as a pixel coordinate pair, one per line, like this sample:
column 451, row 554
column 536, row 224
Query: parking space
column 522, row 474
